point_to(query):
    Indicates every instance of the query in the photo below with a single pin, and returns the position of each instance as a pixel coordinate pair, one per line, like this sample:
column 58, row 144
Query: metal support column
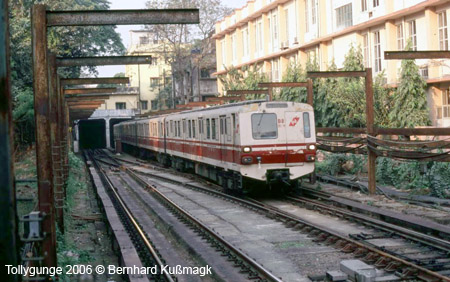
column 309, row 91
column 55, row 142
column 370, row 120
column 43, row 141
column 8, row 217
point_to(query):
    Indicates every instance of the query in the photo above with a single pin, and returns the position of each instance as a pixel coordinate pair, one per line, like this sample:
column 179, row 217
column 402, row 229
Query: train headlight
column 247, row 160
column 247, row 149
column 311, row 147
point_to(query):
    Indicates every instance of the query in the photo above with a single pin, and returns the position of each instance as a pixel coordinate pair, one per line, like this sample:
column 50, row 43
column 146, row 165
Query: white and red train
column 272, row 142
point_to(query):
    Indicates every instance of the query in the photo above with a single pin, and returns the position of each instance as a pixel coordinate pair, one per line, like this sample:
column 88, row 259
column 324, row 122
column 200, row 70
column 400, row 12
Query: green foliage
column 348, row 93
column 68, row 253
column 410, row 102
column 245, row 79
column 294, row 73
column 432, row 177
column 63, row 41
column 332, row 163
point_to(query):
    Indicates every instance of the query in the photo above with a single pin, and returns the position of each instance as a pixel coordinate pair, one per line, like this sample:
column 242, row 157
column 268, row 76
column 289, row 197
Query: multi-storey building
column 149, row 79
column 271, row 33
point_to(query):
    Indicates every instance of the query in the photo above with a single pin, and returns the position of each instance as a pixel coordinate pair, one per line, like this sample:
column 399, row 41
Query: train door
column 294, row 137
column 200, row 138
column 223, row 138
column 183, row 137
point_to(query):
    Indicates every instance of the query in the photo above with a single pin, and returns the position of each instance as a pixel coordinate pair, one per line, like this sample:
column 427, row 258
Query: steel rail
column 132, row 219
column 414, row 226
column 442, row 245
column 284, row 216
column 259, row 268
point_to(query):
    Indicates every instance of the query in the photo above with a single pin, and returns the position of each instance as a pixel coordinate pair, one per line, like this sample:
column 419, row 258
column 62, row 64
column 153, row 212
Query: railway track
column 402, row 264
column 148, row 254
column 138, row 198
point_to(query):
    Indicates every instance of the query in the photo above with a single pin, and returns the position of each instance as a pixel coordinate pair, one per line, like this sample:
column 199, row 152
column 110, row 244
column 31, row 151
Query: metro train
column 238, row 145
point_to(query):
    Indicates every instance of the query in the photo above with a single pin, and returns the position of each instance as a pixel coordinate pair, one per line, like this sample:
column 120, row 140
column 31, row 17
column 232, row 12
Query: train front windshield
column 264, row 126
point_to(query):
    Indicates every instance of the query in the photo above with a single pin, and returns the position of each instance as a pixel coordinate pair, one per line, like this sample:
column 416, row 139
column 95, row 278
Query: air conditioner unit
column 282, row 45
column 285, row 45
column 295, row 40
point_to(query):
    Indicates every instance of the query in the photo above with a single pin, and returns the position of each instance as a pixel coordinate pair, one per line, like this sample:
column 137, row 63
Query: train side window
column 213, row 129
column 193, row 128
column 200, row 126
column 222, row 127
column 179, row 128
column 189, row 129
column 171, row 128
column 306, row 125
column 208, row 129
column 228, row 128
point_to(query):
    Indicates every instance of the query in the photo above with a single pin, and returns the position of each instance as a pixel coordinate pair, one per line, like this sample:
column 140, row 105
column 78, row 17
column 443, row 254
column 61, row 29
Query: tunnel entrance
column 92, row 134
column 112, row 122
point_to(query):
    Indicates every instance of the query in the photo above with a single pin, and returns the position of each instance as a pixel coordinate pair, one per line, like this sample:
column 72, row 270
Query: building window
column 144, row 105
column 377, row 51
column 313, row 11
column 400, row 44
column 376, row 3
column 443, row 35
column 245, row 41
column 424, row 72
column 306, row 16
column 275, row 70
column 121, row 106
column 286, row 28
column 274, row 30
column 413, row 34
column 233, row 46
column 446, row 104
column 259, row 37
column 344, row 16
column 154, row 81
column 154, row 104
column 204, row 73
column 143, row 40
column 363, row 5
column 366, row 50
column 224, row 52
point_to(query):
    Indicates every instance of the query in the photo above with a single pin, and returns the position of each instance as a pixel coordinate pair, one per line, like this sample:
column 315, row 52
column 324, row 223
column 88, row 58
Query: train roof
column 243, row 103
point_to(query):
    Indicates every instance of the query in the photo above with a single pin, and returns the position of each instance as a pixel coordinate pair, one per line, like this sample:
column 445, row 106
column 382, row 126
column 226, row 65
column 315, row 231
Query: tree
column 246, row 78
column 181, row 40
column 349, row 94
column 63, row 41
column 410, row 102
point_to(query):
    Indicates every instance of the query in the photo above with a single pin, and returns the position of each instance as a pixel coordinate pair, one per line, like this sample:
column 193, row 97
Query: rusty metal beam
column 317, row 74
column 309, row 92
column 8, row 237
column 239, row 92
column 103, row 61
column 410, row 55
column 282, row 84
column 123, row 17
column 432, row 131
column 95, row 80
column 83, row 107
column 345, row 130
column 86, row 96
column 43, row 142
column 54, row 137
column 84, row 102
column 89, row 91
column 370, row 125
